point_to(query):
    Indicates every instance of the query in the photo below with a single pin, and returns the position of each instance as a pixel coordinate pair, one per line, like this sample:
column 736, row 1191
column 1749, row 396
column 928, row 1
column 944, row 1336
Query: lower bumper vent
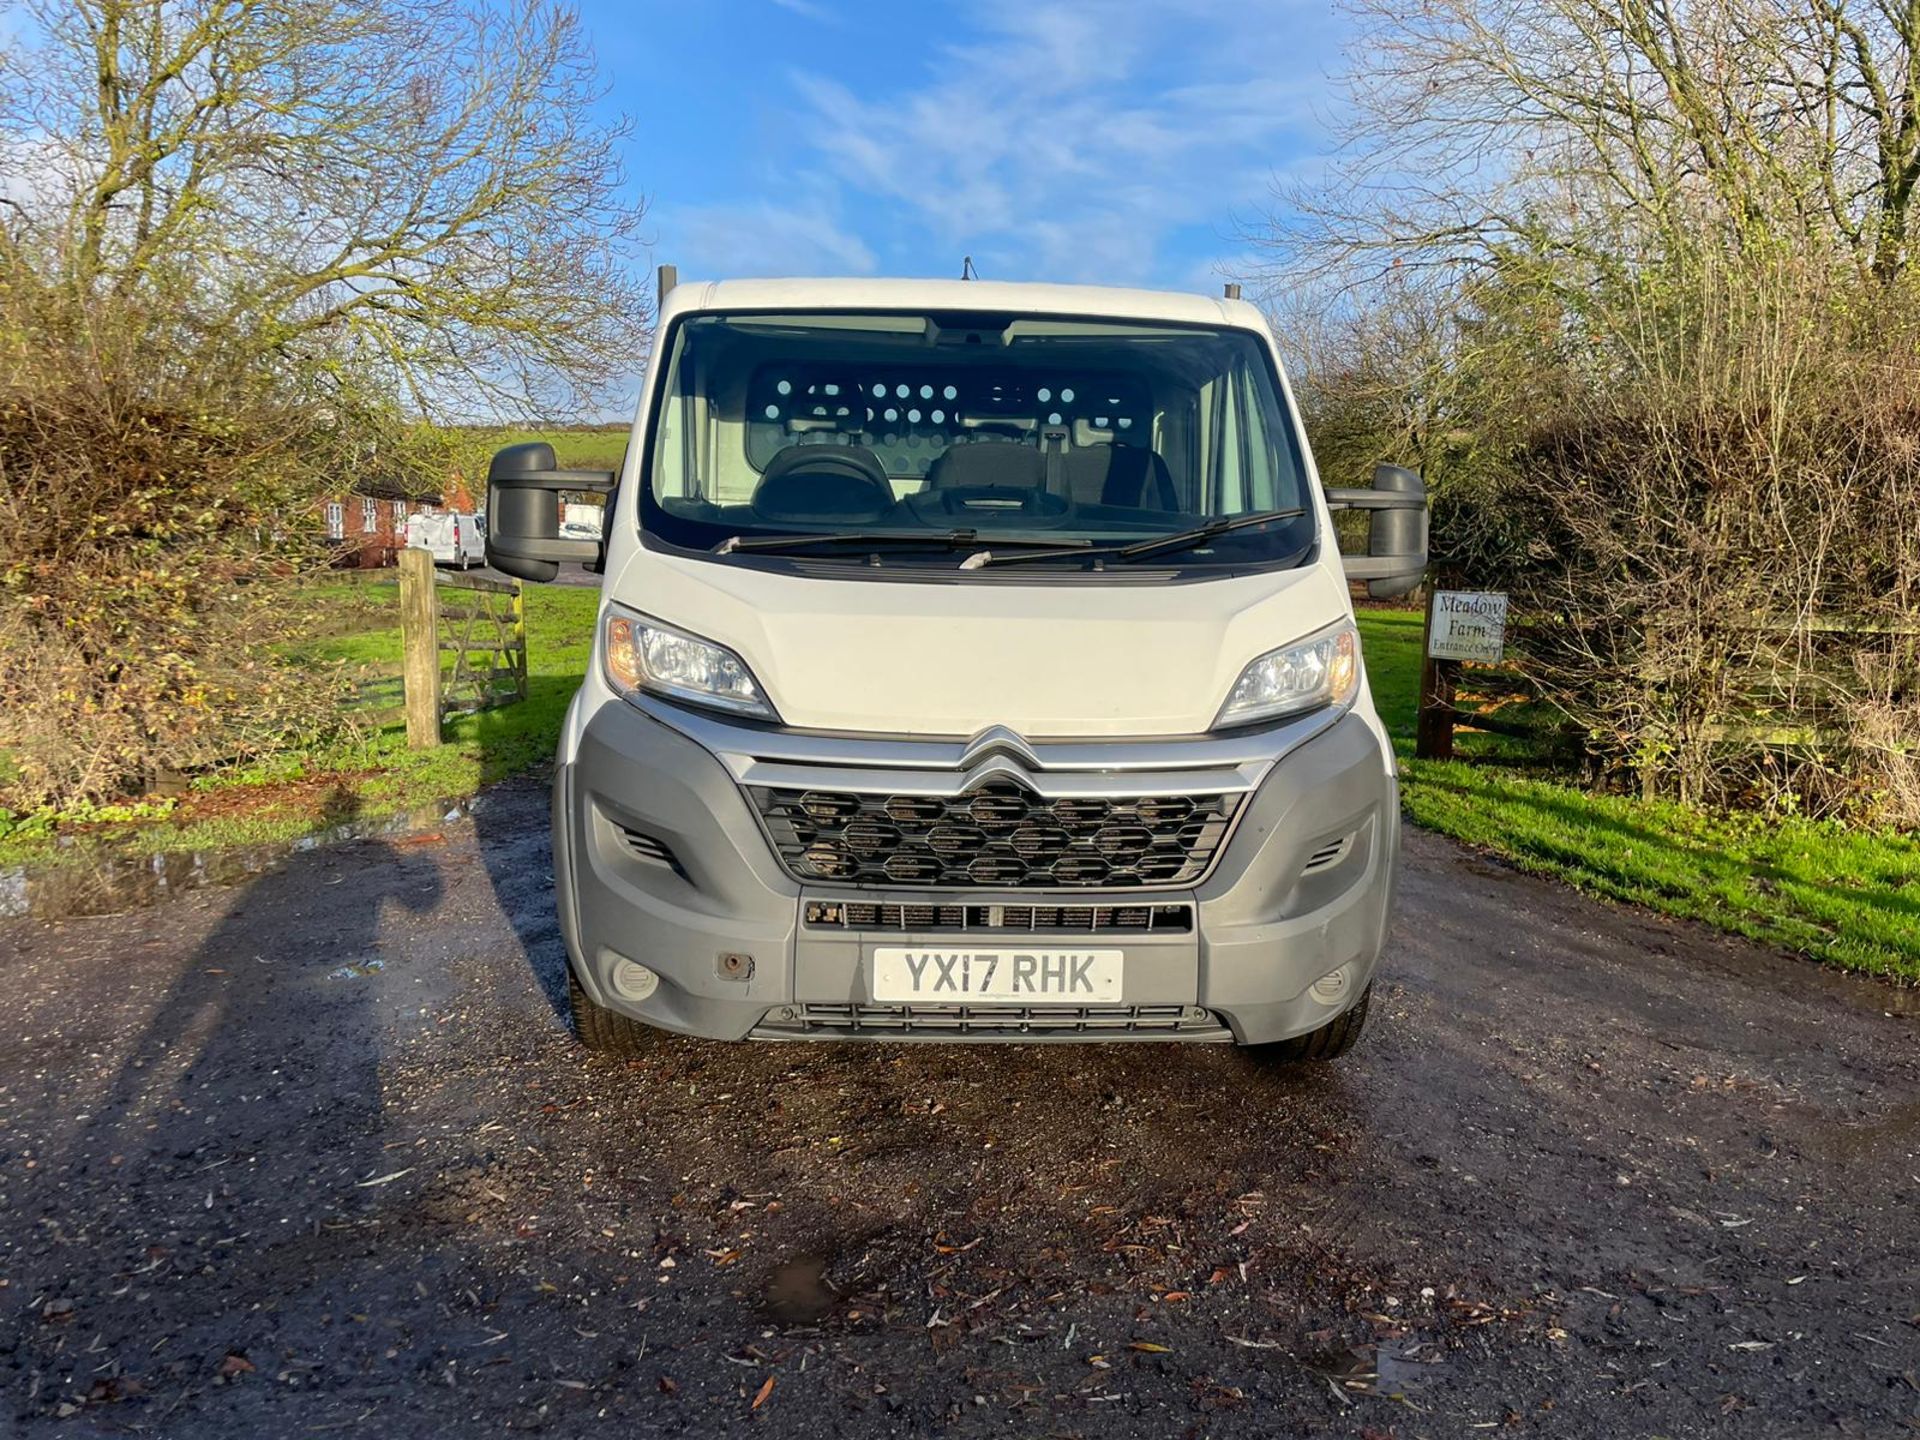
column 1016, row 919
column 643, row 846
column 1328, row 855
column 1001, row 1022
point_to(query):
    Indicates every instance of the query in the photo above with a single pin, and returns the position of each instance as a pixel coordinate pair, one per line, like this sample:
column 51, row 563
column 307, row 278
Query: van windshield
column 910, row 434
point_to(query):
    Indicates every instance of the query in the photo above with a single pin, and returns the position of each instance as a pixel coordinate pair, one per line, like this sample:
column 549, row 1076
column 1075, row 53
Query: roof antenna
column 967, row 272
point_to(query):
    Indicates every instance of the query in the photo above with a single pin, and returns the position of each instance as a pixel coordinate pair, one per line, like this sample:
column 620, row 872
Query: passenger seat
column 1113, row 474
column 1001, row 464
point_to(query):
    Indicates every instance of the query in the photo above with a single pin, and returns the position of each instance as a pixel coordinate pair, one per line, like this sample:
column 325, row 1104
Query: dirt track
column 318, row 1157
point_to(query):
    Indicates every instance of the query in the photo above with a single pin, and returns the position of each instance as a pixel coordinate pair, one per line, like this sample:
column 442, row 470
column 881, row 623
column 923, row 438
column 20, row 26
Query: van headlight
column 643, row 654
column 1323, row 669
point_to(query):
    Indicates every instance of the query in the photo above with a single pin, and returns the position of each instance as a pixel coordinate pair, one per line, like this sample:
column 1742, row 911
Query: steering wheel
column 823, row 482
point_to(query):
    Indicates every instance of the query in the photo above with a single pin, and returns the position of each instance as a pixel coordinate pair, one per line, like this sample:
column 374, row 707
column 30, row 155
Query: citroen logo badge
column 998, row 753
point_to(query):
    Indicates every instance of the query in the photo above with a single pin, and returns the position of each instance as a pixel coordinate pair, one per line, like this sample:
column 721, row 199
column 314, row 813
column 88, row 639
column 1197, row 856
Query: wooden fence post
column 1433, row 730
column 519, row 639
column 420, row 647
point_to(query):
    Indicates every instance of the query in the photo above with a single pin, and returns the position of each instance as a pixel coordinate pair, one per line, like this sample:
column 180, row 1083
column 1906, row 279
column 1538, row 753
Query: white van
column 975, row 662
column 455, row 539
column 580, row 521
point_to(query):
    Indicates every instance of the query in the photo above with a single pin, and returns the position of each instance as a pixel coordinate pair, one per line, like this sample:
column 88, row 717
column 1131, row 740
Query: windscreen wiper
column 937, row 539
column 1200, row 534
column 1159, row 544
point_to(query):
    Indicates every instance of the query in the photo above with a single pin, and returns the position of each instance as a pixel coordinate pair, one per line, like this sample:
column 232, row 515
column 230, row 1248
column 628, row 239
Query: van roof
column 999, row 295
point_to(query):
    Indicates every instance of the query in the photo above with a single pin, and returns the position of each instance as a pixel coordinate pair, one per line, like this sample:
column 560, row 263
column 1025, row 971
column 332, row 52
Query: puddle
column 100, row 882
column 1390, row 1368
column 1405, row 1365
column 357, row 970
column 798, row 1292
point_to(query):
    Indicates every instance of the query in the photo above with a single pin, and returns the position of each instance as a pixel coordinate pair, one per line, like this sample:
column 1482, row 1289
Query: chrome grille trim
column 1052, row 785
column 1152, row 763
column 997, row 836
column 1005, row 1022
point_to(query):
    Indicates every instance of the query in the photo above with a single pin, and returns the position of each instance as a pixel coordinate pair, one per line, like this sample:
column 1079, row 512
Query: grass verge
column 1847, row 896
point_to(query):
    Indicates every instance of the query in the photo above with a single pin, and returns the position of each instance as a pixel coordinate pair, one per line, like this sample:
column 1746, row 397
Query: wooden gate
column 465, row 644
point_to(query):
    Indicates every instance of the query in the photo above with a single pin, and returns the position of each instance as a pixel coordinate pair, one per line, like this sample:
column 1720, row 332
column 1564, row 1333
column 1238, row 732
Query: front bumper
column 661, row 861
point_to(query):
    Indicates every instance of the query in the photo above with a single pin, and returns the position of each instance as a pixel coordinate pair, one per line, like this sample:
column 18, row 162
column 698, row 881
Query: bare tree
column 251, row 248
column 419, row 187
column 1634, row 282
column 1607, row 131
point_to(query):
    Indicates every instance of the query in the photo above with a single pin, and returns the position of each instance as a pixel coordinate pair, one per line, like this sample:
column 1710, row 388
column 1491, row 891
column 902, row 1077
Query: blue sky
column 1076, row 140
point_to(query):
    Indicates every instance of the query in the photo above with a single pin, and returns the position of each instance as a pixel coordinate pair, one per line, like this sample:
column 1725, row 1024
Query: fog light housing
column 1330, row 989
column 633, row 981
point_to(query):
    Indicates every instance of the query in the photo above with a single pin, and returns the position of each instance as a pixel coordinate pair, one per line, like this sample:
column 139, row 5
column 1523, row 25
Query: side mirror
column 1396, row 558
column 523, row 512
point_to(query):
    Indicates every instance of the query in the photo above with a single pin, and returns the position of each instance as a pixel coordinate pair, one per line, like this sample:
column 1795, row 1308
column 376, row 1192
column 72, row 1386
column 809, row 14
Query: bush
column 155, row 496
column 1716, row 529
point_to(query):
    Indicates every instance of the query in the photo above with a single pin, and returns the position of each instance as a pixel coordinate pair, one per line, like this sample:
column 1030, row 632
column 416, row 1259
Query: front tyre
column 1329, row 1042
column 604, row 1031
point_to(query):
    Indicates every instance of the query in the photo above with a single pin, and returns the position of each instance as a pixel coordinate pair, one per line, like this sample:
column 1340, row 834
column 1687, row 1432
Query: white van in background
column 454, row 539
column 581, row 521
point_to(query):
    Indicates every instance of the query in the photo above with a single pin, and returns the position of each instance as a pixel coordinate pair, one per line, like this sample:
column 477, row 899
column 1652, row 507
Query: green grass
column 582, row 449
column 1847, row 896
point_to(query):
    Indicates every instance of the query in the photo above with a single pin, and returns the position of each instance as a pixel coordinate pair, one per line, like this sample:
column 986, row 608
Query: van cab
column 975, row 662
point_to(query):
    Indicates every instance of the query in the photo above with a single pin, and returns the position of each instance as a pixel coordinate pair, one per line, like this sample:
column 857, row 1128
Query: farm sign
column 1467, row 626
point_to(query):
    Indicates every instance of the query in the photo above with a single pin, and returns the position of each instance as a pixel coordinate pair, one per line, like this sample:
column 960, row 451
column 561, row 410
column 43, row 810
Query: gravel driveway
column 317, row 1156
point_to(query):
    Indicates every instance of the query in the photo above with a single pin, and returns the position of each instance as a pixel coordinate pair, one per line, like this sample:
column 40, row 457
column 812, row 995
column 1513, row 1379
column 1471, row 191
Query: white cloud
column 810, row 10
column 1069, row 139
column 761, row 238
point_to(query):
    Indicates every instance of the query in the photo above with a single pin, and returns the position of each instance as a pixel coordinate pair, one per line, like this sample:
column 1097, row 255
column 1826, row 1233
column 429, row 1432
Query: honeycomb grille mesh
column 996, row 836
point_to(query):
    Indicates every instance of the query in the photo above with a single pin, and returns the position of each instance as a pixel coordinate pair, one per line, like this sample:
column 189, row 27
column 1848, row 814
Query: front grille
column 1023, row 919
column 1006, row 1022
column 996, row 836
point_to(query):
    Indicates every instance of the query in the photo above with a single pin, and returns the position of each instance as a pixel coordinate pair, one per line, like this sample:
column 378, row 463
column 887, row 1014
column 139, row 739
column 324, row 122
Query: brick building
column 367, row 525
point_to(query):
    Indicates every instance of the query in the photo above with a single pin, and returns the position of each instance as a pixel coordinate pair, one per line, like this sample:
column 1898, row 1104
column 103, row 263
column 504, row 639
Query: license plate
column 1015, row 977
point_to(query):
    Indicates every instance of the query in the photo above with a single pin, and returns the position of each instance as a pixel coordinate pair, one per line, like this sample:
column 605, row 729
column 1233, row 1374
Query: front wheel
column 1329, row 1042
column 604, row 1031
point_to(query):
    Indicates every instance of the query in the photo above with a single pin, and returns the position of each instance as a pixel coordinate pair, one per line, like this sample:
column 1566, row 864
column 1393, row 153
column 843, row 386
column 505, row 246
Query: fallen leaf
column 765, row 1390
column 1147, row 1347
column 235, row 1365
